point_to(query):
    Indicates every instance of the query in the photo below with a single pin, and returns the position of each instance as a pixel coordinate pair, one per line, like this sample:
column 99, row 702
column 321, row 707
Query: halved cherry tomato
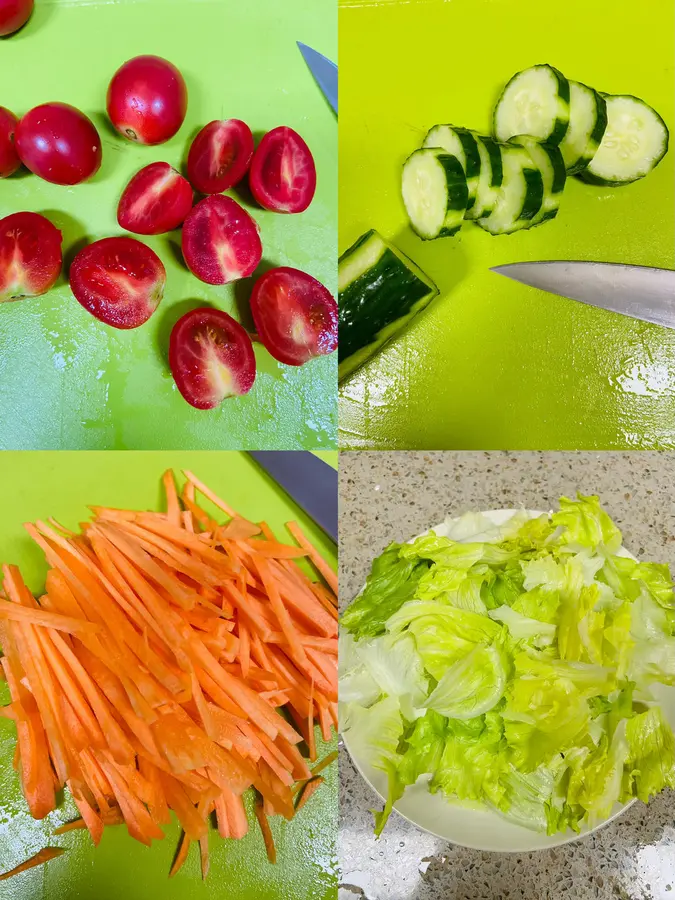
column 295, row 316
column 59, row 143
column 283, row 174
column 119, row 280
column 220, row 156
column 9, row 158
column 221, row 241
column 156, row 200
column 147, row 100
column 211, row 357
column 30, row 256
column 14, row 14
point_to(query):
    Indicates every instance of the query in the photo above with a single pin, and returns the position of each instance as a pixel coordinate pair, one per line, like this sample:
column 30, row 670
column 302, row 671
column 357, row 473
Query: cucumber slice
column 461, row 143
column 380, row 292
column 435, row 193
column 588, row 122
column 490, row 179
column 520, row 196
column 536, row 101
column 549, row 160
column 635, row 142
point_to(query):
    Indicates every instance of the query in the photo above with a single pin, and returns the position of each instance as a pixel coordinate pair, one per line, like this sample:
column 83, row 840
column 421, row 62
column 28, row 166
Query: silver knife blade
column 325, row 73
column 640, row 292
column 307, row 480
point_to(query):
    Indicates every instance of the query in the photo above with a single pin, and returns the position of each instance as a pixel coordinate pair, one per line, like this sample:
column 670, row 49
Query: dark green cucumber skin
column 588, row 178
column 458, row 192
column 561, row 126
column 534, row 195
column 386, row 292
column 598, row 132
column 495, row 161
column 359, row 242
column 559, row 171
column 468, row 142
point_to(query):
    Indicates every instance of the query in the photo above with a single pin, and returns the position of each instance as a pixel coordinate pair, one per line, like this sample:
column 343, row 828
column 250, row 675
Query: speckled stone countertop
column 394, row 496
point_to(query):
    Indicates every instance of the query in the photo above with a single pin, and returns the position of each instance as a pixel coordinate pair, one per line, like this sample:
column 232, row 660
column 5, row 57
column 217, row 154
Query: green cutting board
column 66, row 380
column 494, row 364
column 36, row 485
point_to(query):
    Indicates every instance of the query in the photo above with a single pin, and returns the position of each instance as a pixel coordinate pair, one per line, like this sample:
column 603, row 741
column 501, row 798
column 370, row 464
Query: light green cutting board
column 62, row 485
column 493, row 364
column 66, row 380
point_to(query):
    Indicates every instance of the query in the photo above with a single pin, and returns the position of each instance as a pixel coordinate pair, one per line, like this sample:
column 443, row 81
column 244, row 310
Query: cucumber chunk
column 435, row 193
column 380, row 291
column 549, row 160
column 588, row 122
column 461, row 143
column 536, row 101
column 520, row 196
column 634, row 143
column 490, row 179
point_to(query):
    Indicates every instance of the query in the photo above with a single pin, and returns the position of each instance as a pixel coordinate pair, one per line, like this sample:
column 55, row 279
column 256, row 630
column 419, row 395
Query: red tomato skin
column 220, row 156
column 30, row 256
column 157, row 200
column 221, row 241
column 277, row 153
column 14, row 14
column 9, row 158
column 295, row 316
column 147, row 100
column 201, row 339
column 112, row 300
column 59, row 144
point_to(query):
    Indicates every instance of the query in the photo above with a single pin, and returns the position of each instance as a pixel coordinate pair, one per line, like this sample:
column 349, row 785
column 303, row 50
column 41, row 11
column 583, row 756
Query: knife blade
column 325, row 73
column 308, row 481
column 640, row 292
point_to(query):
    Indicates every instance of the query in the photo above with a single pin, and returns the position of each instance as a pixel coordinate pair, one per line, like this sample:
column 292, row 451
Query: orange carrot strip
column 75, row 825
column 309, row 788
column 244, row 648
column 157, row 805
column 238, row 529
column 92, row 820
column 173, row 511
column 138, row 821
column 310, row 724
column 221, row 817
column 204, row 855
column 266, row 831
column 280, row 611
column 117, row 741
column 319, row 562
column 181, row 855
column 209, row 494
column 236, row 814
column 44, row 618
column 71, row 688
column 39, row 859
column 188, row 816
column 273, row 549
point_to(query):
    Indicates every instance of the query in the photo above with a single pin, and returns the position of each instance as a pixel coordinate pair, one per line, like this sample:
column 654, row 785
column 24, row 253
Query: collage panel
column 154, row 675
column 554, row 141
column 206, row 320
column 506, row 676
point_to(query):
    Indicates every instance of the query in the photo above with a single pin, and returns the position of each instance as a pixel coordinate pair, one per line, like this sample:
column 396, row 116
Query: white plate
column 477, row 828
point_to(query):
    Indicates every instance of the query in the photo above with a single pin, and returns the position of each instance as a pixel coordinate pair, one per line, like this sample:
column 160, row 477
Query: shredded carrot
column 70, row 826
column 319, row 563
column 162, row 667
column 181, row 855
column 261, row 816
column 43, row 856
